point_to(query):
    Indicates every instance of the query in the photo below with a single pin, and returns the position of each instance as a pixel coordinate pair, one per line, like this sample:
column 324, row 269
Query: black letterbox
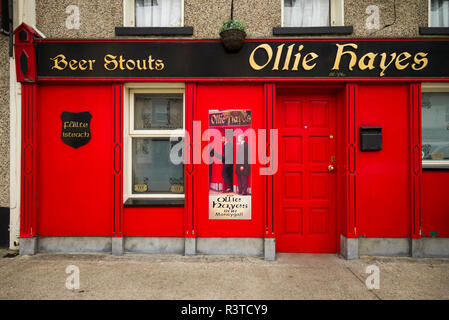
column 370, row 138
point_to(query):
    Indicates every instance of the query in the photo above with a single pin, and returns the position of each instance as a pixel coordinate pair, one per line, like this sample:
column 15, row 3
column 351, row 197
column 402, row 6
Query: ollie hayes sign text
column 257, row 59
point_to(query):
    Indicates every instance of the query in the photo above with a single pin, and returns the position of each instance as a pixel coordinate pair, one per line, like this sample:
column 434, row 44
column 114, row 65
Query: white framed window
column 439, row 13
column 312, row 13
column 153, row 13
column 435, row 125
column 154, row 125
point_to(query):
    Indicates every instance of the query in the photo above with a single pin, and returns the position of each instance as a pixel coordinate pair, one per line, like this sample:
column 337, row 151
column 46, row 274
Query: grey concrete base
column 155, row 244
column 190, row 246
column 416, row 249
column 27, row 245
column 118, row 246
column 243, row 246
column 384, row 247
column 75, row 244
column 349, row 247
column 435, row 247
column 270, row 249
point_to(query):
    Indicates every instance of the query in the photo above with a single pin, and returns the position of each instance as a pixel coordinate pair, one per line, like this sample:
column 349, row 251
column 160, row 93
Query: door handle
column 331, row 168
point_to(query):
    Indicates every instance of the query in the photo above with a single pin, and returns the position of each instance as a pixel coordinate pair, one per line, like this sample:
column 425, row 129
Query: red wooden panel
column 435, row 204
column 76, row 186
column 319, row 114
column 291, row 186
column 154, row 222
column 319, row 150
column 291, row 150
column 319, row 186
column 293, row 114
column 319, row 221
column 305, row 208
column 383, row 177
column 293, row 220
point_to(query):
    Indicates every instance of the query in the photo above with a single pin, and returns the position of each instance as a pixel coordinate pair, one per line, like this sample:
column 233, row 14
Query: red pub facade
column 353, row 173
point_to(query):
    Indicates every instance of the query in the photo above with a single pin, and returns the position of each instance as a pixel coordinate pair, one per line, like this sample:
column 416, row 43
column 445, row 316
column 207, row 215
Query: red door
column 305, row 218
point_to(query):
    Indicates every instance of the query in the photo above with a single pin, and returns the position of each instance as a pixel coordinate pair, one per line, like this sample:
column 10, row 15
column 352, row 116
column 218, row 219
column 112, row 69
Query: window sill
column 153, row 31
column 435, row 165
column 428, row 31
column 291, row 31
column 146, row 202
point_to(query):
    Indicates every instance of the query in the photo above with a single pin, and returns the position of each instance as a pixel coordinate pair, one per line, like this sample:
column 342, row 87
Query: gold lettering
column 150, row 63
column 120, row 61
column 159, row 64
column 108, row 59
column 82, row 64
column 398, row 64
column 278, row 57
column 144, row 64
column 297, row 58
column 423, row 61
column 269, row 52
column 341, row 52
column 306, row 60
column 91, row 62
column 287, row 58
column 73, row 64
column 383, row 66
column 60, row 58
column 370, row 65
column 132, row 62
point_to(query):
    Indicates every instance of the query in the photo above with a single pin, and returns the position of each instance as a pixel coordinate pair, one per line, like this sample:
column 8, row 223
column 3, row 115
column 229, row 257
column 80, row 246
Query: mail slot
column 370, row 138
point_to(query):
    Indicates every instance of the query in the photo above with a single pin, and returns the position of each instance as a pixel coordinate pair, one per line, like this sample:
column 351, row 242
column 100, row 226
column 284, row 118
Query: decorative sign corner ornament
column 75, row 128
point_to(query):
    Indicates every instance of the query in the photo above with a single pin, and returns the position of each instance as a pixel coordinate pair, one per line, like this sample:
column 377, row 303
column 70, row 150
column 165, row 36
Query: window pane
column 158, row 13
column 152, row 169
column 158, row 111
column 439, row 13
column 306, row 13
column 435, row 126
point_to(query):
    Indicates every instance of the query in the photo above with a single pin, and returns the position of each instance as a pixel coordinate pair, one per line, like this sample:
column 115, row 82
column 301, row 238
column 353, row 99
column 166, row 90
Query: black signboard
column 257, row 59
column 75, row 130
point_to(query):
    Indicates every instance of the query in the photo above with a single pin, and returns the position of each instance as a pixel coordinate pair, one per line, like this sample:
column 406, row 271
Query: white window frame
column 434, row 87
column 429, row 6
column 129, row 13
column 337, row 14
column 129, row 90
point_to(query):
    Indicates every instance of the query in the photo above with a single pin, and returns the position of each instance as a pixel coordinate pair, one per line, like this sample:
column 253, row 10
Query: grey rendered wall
column 99, row 18
column 4, row 121
column 410, row 14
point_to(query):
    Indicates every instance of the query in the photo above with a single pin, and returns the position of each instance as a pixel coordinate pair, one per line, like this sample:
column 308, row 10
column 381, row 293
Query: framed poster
column 230, row 165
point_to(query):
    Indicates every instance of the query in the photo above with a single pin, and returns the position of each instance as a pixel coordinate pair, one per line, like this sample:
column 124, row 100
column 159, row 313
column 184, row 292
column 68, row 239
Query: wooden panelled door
column 305, row 214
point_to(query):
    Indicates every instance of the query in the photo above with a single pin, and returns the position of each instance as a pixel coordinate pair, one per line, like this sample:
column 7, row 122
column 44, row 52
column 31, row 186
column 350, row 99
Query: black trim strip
column 435, row 169
column 279, row 31
column 433, row 30
column 154, row 31
column 154, row 203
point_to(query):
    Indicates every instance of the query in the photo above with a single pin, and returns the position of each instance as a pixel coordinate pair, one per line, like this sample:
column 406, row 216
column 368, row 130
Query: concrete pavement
column 154, row 276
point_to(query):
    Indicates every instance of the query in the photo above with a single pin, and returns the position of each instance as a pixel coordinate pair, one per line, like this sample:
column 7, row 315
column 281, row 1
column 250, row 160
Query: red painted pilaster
column 117, row 91
column 351, row 168
column 189, row 173
column 28, row 209
column 269, row 107
column 415, row 159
